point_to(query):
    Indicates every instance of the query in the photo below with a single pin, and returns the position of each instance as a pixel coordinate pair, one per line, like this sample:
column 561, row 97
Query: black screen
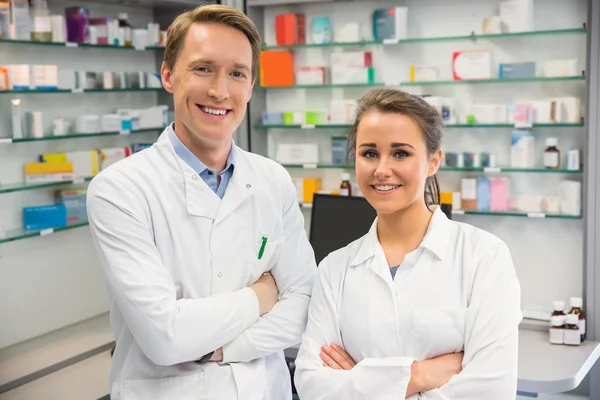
column 337, row 221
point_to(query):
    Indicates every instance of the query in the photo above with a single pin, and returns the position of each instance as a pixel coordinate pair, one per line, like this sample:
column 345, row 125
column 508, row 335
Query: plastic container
column 41, row 23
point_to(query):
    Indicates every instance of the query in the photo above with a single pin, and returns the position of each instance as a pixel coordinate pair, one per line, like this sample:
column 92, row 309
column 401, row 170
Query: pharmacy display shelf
column 448, row 126
column 76, row 45
column 498, row 80
column 472, row 36
column 55, row 91
column 21, row 187
column 20, row 234
column 77, row 136
column 515, row 214
column 491, row 170
column 494, row 213
column 326, row 86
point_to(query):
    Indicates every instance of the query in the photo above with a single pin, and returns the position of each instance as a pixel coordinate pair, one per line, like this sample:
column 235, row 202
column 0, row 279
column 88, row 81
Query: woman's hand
column 335, row 357
column 434, row 373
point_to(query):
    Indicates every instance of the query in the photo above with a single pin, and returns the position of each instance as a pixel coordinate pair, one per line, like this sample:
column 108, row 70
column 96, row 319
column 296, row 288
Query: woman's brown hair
column 391, row 101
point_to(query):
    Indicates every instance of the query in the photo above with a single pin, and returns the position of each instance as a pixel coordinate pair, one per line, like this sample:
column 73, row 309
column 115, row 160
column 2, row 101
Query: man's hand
column 217, row 355
column 335, row 357
column 434, row 373
column 266, row 291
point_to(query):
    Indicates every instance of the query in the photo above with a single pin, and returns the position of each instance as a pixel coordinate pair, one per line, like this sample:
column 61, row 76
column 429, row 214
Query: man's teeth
column 213, row 111
column 386, row 187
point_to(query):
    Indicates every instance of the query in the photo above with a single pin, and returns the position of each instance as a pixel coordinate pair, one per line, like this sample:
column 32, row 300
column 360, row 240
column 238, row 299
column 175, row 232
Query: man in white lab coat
column 188, row 229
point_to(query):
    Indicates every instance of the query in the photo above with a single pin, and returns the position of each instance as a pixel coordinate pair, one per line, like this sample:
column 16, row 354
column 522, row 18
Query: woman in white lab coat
column 421, row 306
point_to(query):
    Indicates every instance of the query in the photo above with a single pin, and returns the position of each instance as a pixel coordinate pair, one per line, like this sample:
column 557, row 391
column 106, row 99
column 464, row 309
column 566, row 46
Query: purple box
column 78, row 24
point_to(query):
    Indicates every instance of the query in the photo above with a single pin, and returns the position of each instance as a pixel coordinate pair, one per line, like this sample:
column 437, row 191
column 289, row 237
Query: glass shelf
column 21, row 187
column 450, row 126
column 509, row 169
column 433, row 39
column 457, row 169
column 20, row 234
column 515, row 214
column 75, row 45
column 488, row 81
column 75, row 91
column 325, row 86
column 76, row 136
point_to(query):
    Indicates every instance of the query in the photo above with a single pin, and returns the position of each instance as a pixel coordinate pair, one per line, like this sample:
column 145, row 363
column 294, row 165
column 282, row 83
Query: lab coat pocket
column 190, row 387
column 438, row 332
column 260, row 259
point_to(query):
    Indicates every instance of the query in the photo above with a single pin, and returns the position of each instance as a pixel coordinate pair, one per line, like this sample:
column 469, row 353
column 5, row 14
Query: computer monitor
column 338, row 221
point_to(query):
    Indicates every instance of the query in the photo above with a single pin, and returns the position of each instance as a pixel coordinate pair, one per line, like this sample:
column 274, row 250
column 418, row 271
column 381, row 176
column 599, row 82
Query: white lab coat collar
column 435, row 240
column 201, row 200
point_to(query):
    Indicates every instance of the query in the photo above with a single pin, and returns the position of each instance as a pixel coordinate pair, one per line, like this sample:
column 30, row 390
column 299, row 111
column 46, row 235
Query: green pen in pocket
column 262, row 247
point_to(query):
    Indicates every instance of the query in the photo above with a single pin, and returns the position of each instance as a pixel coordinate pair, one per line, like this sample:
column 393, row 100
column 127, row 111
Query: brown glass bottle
column 577, row 309
column 571, row 331
column 346, row 186
column 551, row 154
column 559, row 308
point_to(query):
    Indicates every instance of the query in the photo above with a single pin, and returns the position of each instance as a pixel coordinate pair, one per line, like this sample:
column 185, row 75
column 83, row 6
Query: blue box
column 484, row 190
column 44, row 217
column 390, row 23
column 75, row 202
column 520, row 70
column 339, row 149
column 272, row 118
column 321, row 30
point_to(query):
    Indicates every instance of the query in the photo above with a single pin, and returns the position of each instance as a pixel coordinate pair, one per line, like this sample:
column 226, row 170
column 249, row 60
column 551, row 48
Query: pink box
column 500, row 200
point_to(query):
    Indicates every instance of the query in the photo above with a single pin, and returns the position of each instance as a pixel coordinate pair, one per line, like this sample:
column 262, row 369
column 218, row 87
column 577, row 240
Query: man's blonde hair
column 211, row 14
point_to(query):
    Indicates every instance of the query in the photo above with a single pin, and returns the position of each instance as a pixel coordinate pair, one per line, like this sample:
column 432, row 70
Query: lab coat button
column 194, row 177
column 248, row 186
column 220, row 274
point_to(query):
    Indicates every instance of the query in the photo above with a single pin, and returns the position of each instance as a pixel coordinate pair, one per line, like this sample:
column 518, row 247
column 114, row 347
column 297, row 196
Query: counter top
column 543, row 367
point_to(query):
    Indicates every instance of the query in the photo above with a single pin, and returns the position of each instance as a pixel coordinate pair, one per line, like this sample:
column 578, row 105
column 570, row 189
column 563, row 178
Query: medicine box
column 321, row 30
column 483, row 193
column 499, row 194
column 390, row 23
column 110, row 156
column 522, row 149
column 74, row 201
column 272, row 118
column 44, row 217
column 472, row 65
column 290, row 29
column 517, row 15
column 297, row 153
column 520, row 70
column 310, row 187
column 352, row 75
column 315, row 117
column 310, row 76
column 342, row 111
column 424, row 73
column 347, row 33
column 276, row 68
column 294, row 117
column 468, row 190
column 560, row 68
column 339, row 149
column 352, row 59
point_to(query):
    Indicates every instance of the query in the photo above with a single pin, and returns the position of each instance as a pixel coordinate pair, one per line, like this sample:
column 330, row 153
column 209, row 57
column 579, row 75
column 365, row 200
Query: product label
column 492, row 169
column 42, row 24
column 309, row 166
column 458, row 212
column 78, row 181
column 572, row 337
column 536, row 215
column 77, row 90
column 391, row 41
column 556, row 336
column 307, row 205
column 308, row 126
column 344, row 192
column 71, row 44
column 551, row 159
column 5, row 140
column 45, row 232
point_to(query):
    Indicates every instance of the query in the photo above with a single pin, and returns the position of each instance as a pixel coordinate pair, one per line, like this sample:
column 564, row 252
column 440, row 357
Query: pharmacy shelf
column 433, row 39
column 76, row 136
column 325, row 86
column 78, row 91
column 20, row 234
column 515, row 214
column 495, row 170
column 21, row 187
column 449, row 126
column 491, row 170
column 489, row 81
column 75, row 45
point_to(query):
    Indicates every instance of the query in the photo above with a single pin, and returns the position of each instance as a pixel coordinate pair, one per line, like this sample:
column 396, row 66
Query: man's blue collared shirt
column 208, row 175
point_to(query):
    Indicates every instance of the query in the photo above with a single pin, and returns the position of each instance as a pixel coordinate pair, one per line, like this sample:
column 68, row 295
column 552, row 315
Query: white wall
column 547, row 253
column 53, row 281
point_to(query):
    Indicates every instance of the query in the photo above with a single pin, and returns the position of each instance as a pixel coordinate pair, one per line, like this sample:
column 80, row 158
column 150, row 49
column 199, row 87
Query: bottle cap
column 558, row 305
column 558, row 320
column 572, row 319
column 345, row 176
column 576, row 302
column 123, row 16
column 551, row 141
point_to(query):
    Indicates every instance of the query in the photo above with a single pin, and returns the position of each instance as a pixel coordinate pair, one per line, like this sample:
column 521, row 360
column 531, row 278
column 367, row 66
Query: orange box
column 276, row 68
column 290, row 29
column 311, row 186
